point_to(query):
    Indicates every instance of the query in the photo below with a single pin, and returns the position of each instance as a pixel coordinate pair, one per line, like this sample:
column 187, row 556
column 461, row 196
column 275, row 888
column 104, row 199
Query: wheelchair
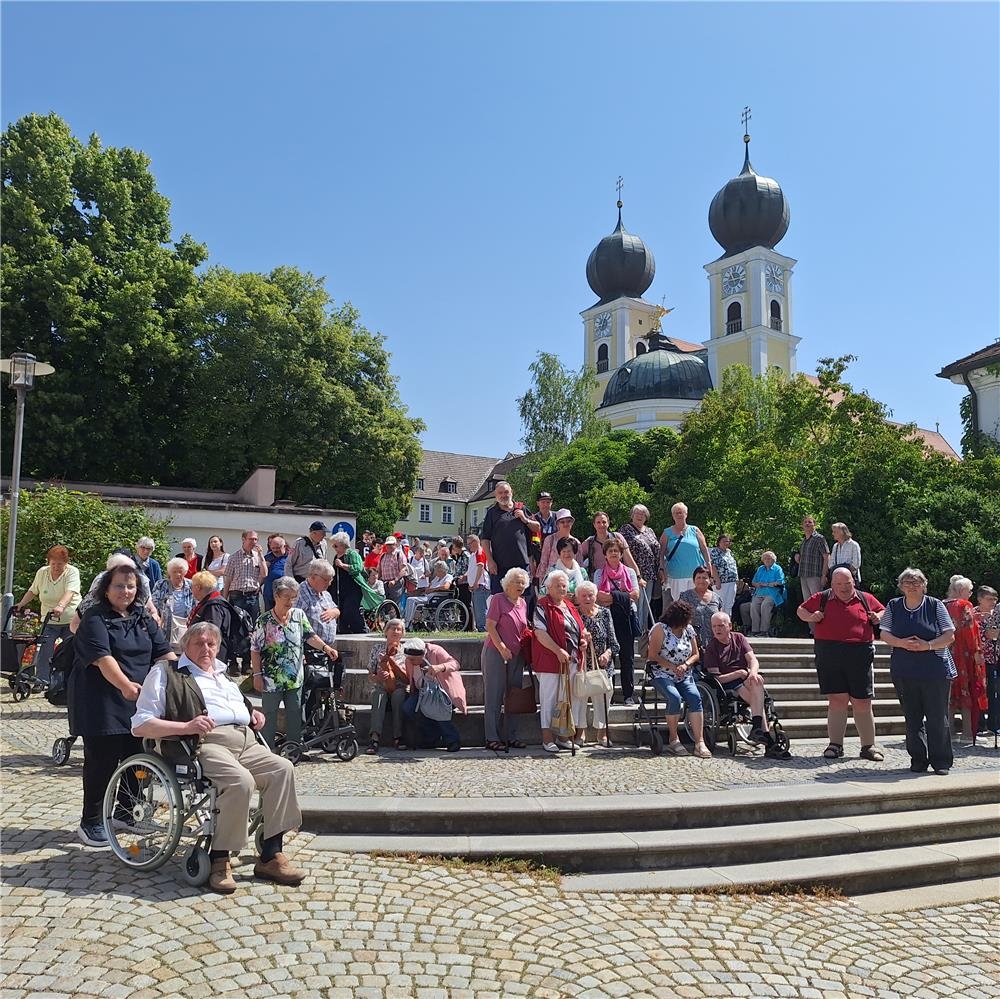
column 442, row 612
column 375, row 619
column 157, row 801
column 725, row 715
column 728, row 716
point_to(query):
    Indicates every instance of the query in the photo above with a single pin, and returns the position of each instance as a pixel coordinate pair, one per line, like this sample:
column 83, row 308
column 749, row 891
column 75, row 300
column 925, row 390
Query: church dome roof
column 750, row 210
column 621, row 265
column 663, row 372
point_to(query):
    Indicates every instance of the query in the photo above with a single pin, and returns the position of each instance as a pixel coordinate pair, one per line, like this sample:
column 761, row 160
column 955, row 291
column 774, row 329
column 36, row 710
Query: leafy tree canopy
column 557, row 408
column 167, row 375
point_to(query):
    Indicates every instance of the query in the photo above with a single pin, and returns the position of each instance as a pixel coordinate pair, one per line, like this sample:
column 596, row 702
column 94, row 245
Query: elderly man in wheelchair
column 729, row 662
column 192, row 700
column 439, row 606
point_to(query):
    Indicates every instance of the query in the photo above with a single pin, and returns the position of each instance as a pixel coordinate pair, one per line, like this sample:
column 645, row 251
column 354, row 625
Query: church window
column 640, row 348
column 775, row 315
column 734, row 318
column 602, row 358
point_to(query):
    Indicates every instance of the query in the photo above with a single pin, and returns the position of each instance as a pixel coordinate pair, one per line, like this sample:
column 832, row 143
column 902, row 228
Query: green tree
column 762, row 452
column 287, row 380
column 87, row 525
column 612, row 472
column 557, row 408
column 91, row 284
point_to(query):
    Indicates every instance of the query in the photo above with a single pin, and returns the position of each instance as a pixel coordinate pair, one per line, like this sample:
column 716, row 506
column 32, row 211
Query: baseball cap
column 318, row 525
column 414, row 647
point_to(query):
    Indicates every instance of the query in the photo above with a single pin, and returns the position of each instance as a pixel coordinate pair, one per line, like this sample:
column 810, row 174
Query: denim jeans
column 250, row 602
column 431, row 732
column 479, row 597
column 672, row 690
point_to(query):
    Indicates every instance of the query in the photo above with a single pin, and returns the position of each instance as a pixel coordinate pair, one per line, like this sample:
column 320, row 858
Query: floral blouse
column 281, row 648
column 645, row 548
column 675, row 649
column 602, row 635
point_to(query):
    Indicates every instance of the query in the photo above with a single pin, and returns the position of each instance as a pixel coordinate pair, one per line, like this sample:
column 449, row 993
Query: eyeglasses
column 123, row 586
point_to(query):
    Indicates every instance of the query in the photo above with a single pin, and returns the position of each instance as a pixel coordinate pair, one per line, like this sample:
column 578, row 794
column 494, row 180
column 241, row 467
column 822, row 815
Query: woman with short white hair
column 174, row 601
column 968, row 689
column 600, row 627
column 768, row 594
column 501, row 660
column 557, row 649
column 195, row 562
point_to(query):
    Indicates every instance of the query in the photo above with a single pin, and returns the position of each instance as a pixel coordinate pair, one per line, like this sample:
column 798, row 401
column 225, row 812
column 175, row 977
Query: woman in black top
column 116, row 644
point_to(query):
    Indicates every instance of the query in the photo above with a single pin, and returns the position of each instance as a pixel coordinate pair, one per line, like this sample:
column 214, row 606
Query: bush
column 87, row 525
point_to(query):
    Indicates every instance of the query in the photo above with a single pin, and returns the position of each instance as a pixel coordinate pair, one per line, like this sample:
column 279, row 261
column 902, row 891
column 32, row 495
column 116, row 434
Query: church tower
column 751, row 283
column 620, row 268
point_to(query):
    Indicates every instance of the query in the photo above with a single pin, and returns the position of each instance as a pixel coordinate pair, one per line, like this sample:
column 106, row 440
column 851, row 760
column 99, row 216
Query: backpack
column 60, row 667
column 825, row 596
column 240, row 630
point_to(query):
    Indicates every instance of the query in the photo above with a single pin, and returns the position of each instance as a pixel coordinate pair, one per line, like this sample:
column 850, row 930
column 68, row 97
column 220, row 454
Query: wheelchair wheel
column 347, row 748
column 60, row 751
column 710, row 707
column 197, row 867
column 291, row 751
column 143, row 812
column 387, row 610
column 451, row 615
column 656, row 742
column 734, row 742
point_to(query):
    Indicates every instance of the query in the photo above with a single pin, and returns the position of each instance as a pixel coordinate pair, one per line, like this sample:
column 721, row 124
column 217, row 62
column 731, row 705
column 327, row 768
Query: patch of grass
column 495, row 865
column 819, row 889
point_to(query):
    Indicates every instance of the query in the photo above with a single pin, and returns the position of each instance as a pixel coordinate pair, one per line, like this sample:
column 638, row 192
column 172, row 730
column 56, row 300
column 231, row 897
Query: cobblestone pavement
column 532, row 772
column 76, row 923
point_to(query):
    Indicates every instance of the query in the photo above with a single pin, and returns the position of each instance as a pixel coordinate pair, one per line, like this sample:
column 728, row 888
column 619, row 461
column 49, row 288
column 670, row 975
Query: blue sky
column 449, row 167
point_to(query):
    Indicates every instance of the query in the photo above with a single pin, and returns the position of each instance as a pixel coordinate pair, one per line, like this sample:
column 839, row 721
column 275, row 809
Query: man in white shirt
column 195, row 698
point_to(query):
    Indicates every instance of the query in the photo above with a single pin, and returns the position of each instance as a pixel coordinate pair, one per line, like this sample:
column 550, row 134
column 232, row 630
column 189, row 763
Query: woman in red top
column 968, row 689
column 557, row 648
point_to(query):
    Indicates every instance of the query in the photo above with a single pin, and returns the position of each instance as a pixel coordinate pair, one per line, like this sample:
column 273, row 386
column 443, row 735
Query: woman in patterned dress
column 968, row 689
column 597, row 621
column 276, row 656
column 645, row 548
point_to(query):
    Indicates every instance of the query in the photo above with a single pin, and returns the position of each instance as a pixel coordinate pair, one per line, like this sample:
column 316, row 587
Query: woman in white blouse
column 846, row 551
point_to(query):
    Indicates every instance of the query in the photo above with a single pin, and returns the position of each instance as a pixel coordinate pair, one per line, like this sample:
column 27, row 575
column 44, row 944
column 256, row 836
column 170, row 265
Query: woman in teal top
column 768, row 592
column 684, row 549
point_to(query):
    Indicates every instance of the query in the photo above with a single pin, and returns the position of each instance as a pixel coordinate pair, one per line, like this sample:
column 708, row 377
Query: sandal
column 495, row 747
column 702, row 751
column 872, row 753
column 834, row 751
column 516, row 744
column 372, row 748
column 399, row 744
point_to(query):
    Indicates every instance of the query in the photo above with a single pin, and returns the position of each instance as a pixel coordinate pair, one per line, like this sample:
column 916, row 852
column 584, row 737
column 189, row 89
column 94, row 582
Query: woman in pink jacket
column 426, row 661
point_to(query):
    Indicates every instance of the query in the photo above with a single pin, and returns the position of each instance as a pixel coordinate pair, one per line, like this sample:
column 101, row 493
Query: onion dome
column 663, row 372
column 620, row 266
column 749, row 211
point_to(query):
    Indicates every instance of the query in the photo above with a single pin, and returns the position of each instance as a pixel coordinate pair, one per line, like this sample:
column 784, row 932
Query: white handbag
column 591, row 681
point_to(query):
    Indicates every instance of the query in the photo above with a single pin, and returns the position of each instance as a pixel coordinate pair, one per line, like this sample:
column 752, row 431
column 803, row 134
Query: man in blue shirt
column 276, row 557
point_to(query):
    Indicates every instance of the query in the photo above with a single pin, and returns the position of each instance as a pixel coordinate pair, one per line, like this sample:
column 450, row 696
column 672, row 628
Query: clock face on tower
column 602, row 325
column 734, row 279
column 774, row 277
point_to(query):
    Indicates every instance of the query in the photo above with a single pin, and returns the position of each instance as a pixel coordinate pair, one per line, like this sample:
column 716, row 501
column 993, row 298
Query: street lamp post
column 23, row 368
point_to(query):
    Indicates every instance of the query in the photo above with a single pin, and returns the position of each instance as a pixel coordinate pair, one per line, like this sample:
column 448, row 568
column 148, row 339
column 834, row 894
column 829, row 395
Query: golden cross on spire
column 745, row 121
column 618, row 188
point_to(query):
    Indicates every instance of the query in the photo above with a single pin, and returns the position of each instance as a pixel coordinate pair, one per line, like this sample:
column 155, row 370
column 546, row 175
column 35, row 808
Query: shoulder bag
column 433, row 702
column 591, row 681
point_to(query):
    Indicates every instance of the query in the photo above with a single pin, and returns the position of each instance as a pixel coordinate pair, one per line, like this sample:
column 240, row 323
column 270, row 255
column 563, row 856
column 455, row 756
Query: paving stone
column 78, row 924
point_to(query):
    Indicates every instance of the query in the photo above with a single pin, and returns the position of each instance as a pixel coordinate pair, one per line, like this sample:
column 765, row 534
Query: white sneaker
column 629, row 702
column 579, row 743
column 564, row 744
column 550, row 747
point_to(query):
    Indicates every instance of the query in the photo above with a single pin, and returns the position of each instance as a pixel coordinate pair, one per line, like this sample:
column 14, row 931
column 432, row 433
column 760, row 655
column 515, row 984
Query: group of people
column 153, row 644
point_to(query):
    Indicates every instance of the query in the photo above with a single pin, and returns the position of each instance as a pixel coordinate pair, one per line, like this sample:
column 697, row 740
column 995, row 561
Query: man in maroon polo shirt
column 729, row 658
column 843, row 619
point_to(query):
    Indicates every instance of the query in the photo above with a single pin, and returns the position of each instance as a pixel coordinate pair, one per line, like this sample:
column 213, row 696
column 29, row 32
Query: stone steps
column 867, row 835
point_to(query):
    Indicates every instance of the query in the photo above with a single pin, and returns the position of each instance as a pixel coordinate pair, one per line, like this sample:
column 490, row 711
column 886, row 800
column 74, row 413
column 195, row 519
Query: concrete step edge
column 728, row 845
column 854, row 873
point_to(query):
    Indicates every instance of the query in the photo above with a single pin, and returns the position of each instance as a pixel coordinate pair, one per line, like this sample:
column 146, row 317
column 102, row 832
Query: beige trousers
column 236, row 764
